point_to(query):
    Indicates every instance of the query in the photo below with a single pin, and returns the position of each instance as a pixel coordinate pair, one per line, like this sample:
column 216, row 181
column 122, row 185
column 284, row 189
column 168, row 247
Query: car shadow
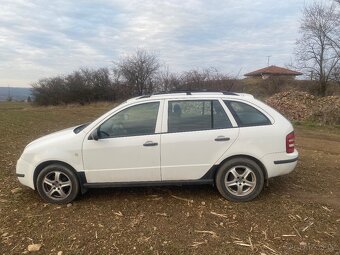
column 140, row 193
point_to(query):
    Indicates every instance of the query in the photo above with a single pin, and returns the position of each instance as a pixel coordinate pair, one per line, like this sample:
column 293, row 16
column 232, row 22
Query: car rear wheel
column 240, row 179
column 57, row 184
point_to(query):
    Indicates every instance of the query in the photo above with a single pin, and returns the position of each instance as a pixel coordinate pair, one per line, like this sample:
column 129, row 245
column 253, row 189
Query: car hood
column 50, row 138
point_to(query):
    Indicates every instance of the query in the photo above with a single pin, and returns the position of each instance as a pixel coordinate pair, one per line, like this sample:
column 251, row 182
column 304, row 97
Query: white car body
column 179, row 157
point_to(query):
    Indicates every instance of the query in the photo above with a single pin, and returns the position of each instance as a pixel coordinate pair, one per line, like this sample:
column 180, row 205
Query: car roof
column 193, row 94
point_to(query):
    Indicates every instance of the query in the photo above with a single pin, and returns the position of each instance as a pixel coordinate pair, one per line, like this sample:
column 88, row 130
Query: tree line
column 137, row 74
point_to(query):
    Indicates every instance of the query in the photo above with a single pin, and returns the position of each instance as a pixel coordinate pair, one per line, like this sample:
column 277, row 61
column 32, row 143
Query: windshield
column 80, row 128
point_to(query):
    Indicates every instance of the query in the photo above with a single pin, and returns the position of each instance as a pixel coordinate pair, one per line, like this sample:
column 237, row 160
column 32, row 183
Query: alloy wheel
column 240, row 180
column 57, row 185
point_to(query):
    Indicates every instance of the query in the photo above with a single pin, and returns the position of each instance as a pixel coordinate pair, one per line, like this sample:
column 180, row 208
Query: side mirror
column 94, row 135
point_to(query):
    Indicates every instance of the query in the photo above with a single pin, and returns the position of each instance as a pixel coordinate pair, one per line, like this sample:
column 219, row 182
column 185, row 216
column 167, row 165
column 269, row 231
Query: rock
column 34, row 247
column 203, row 203
column 69, row 205
column 60, row 253
column 303, row 243
column 4, row 234
column 16, row 190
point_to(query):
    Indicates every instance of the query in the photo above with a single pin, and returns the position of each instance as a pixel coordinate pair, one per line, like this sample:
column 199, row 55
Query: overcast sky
column 43, row 38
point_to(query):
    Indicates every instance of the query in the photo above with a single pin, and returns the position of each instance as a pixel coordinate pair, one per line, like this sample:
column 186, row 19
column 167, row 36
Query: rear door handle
column 221, row 138
column 150, row 143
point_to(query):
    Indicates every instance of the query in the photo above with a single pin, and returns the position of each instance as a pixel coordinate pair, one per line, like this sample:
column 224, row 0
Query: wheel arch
column 211, row 174
column 80, row 175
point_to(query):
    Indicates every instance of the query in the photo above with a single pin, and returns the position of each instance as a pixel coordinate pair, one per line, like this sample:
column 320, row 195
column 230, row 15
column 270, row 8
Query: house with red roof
column 273, row 71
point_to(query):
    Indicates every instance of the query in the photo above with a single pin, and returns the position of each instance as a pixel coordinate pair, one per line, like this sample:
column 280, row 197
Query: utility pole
column 268, row 58
column 9, row 92
column 9, row 98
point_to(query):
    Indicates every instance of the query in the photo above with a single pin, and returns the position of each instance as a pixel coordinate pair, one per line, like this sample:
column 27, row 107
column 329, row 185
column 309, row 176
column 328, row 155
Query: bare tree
column 195, row 78
column 167, row 81
column 138, row 70
column 207, row 78
column 317, row 51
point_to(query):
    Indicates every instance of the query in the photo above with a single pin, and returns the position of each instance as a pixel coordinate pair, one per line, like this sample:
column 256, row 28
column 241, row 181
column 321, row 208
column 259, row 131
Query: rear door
column 195, row 135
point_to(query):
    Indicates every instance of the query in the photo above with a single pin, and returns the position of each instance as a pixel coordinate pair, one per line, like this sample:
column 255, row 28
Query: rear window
column 246, row 115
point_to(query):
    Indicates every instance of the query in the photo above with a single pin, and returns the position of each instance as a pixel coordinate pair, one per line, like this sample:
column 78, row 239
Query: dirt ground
column 297, row 214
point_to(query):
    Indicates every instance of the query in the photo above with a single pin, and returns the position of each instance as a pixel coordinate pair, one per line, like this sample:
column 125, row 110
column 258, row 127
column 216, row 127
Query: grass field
column 297, row 214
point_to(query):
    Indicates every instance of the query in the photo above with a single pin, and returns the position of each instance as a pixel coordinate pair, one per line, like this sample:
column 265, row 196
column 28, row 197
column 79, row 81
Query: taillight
column 290, row 142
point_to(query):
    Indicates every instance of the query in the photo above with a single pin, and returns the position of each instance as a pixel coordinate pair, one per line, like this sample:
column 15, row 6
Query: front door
column 128, row 148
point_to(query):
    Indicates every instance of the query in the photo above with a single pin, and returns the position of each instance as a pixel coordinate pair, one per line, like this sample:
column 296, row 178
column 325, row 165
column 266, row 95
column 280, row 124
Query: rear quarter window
column 246, row 115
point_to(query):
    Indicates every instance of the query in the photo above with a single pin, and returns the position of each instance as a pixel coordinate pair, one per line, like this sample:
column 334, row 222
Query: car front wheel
column 240, row 179
column 57, row 184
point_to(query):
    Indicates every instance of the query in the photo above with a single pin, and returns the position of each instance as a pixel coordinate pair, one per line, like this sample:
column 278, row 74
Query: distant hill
column 17, row 94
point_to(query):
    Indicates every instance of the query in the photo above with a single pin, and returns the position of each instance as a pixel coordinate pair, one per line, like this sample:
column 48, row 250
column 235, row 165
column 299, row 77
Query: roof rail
column 144, row 96
column 189, row 92
column 229, row 93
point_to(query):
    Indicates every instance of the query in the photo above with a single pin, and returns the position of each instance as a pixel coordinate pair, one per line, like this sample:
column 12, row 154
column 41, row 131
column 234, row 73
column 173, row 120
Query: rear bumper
column 280, row 163
column 285, row 161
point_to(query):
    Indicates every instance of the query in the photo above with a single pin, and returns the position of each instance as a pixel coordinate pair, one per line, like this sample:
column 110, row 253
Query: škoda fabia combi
column 230, row 140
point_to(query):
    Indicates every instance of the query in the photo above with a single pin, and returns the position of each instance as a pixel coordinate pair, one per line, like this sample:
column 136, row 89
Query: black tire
column 57, row 184
column 240, row 189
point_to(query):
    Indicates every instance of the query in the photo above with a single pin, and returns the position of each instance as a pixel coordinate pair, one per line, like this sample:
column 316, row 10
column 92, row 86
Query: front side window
column 246, row 115
column 135, row 120
column 196, row 115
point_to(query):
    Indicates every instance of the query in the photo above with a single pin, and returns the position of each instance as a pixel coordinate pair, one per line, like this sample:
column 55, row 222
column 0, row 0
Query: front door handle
column 221, row 138
column 150, row 143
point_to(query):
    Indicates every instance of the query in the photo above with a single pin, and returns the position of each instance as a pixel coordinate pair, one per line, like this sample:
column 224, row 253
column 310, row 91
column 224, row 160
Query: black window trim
column 212, row 113
column 237, row 119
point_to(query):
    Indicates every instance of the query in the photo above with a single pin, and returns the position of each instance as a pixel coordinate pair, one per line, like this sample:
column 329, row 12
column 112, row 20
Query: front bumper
column 24, row 172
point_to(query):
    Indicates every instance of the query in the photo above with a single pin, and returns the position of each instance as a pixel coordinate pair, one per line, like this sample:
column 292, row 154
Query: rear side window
column 246, row 115
column 196, row 115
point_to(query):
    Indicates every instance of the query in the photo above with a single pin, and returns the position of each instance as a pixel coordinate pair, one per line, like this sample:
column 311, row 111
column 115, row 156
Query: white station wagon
column 230, row 140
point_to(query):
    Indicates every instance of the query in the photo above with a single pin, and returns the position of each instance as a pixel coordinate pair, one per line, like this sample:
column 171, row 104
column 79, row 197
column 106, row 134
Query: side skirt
column 147, row 183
